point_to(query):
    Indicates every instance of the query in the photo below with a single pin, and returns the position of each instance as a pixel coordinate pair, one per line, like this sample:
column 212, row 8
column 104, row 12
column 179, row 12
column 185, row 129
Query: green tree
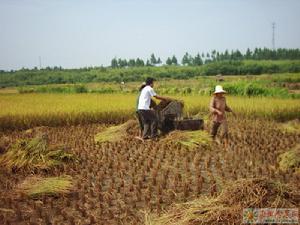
column 197, row 60
column 153, row 60
column 139, row 62
column 131, row 62
column 186, row 59
column 114, row 63
column 169, row 61
column 159, row 61
column 122, row 63
column 148, row 63
column 213, row 55
column 174, row 60
column 248, row 54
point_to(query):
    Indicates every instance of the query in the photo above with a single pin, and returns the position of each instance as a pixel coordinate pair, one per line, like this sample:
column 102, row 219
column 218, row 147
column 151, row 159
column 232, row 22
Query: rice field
column 125, row 181
column 30, row 110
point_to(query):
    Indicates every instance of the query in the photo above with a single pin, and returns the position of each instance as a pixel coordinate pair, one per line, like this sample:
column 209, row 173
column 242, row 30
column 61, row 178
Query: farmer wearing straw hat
column 218, row 107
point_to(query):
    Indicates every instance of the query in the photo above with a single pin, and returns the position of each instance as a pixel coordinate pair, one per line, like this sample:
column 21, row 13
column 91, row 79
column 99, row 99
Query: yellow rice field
column 28, row 110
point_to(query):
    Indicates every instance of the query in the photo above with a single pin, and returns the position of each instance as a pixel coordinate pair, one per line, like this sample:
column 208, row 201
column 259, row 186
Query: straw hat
column 219, row 89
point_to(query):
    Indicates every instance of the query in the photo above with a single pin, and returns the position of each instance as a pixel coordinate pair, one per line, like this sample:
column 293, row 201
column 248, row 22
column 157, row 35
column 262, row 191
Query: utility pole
column 40, row 62
column 273, row 35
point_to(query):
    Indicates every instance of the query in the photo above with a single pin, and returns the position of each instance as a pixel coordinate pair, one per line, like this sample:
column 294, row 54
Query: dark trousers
column 149, row 121
column 215, row 128
column 140, row 119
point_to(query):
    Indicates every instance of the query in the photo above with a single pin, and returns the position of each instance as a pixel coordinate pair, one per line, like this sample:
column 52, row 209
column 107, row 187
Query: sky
column 80, row 33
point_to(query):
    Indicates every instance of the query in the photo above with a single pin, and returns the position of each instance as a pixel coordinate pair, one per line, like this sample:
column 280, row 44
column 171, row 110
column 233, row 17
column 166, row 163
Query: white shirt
column 145, row 98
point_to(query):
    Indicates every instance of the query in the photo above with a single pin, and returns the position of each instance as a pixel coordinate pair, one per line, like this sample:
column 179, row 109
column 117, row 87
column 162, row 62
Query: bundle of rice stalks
column 291, row 126
column 290, row 160
column 115, row 133
column 34, row 154
column 189, row 139
column 36, row 187
column 228, row 207
column 165, row 103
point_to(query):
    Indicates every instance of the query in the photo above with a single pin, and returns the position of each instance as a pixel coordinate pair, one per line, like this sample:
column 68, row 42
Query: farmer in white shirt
column 147, row 114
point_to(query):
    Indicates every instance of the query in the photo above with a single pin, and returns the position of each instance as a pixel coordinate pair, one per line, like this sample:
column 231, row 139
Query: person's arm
column 228, row 109
column 154, row 95
column 162, row 98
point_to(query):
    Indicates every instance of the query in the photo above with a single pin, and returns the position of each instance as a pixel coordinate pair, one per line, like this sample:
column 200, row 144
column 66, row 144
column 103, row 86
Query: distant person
column 218, row 107
column 148, row 116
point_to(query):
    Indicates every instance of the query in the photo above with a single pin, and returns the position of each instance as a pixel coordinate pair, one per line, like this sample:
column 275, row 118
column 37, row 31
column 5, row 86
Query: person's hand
column 167, row 99
column 219, row 113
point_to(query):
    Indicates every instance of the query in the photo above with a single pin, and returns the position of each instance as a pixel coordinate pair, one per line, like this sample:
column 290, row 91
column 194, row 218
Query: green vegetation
column 77, row 88
column 101, row 74
column 263, row 85
column 213, row 56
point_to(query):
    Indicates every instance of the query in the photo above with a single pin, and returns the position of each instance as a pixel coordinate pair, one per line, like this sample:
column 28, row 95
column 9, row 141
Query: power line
column 40, row 62
column 273, row 35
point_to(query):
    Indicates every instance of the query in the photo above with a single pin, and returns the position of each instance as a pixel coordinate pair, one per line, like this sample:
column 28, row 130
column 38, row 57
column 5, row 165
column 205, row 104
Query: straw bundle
column 292, row 126
column 34, row 154
column 189, row 139
column 290, row 160
column 227, row 208
column 115, row 133
column 35, row 187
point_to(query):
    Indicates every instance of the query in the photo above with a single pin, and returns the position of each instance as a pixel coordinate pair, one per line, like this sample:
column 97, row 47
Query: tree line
column 103, row 74
column 213, row 56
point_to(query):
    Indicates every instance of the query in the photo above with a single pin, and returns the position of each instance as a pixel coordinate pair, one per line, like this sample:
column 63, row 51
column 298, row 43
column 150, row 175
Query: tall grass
column 76, row 88
column 25, row 111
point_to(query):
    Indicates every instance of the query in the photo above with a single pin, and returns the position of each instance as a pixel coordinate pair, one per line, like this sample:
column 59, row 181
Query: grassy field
column 276, row 86
column 25, row 111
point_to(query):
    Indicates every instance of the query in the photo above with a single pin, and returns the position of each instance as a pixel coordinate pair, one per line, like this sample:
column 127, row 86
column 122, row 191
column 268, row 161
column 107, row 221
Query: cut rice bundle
column 228, row 207
column 189, row 139
column 115, row 133
column 35, row 187
column 34, row 154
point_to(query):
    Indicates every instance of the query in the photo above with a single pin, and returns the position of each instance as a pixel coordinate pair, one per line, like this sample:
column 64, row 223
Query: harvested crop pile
column 292, row 126
column 189, row 139
column 116, row 133
column 33, row 154
column 35, row 187
column 228, row 207
column 290, row 160
column 164, row 104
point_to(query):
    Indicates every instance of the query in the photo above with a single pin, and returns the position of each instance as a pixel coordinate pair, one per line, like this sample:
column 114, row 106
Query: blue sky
column 78, row 33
